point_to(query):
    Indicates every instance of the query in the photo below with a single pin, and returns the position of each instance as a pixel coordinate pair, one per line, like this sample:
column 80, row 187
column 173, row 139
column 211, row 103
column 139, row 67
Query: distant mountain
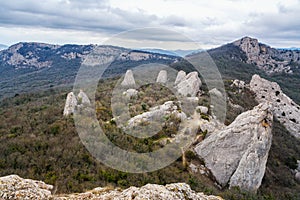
column 30, row 66
column 2, row 46
column 245, row 57
column 177, row 52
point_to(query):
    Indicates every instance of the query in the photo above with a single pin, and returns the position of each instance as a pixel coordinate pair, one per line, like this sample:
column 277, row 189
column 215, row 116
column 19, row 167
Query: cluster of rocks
column 283, row 108
column 14, row 187
column 266, row 58
column 187, row 85
column 237, row 154
column 156, row 113
column 73, row 102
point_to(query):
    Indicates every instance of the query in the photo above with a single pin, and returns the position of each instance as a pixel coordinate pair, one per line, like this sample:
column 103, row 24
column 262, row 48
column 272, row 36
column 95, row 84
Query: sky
column 207, row 23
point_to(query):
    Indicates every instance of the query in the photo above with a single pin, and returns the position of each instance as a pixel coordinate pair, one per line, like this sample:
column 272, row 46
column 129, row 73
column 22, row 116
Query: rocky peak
column 266, row 58
column 283, row 108
column 237, row 155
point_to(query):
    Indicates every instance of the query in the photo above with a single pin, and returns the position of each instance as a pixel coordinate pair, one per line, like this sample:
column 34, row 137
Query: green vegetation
column 37, row 142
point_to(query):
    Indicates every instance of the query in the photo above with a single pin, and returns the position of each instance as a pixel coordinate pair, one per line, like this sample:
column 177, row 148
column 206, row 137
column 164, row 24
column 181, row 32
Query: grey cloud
column 71, row 14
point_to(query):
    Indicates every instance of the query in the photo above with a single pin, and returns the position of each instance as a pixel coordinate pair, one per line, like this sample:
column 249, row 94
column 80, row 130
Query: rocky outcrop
column 162, row 77
column 175, row 191
column 266, row 58
column 130, row 93
column 180, row 77
column 215, row 92
column 14, row 187
column 128, row 79
column 202, row 109
column 238, row 83
column 73, row 102
column 156, row 113
column 83, row 98
column 283, row 108
column 238, row 153
column 188, row 85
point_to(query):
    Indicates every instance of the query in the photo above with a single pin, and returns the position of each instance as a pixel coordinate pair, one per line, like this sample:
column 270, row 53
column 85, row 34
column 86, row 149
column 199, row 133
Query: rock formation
column 14, row 187
column 215, row 92
column 284, row 108
column 157, row 113
column 238, row 153
column 180, row 77
column 83, row 98
column 175, row 191
column 162, row 77
column 130, row 93
column 266, row 58
column 188, row 85
column 72, row 102
column 128, row 79
column 238, row 83
column 202, row 109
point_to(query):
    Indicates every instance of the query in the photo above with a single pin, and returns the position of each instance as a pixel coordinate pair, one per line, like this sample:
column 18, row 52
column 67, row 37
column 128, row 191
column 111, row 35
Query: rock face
column 238, row 154
column 128, row 79
column 188, row 85
column 14, row 187
column 72, row 101
column 157, row 113
column 175, row 191
column 162, row 77
column 284, row 108
column 266, row 58
column 70, row 104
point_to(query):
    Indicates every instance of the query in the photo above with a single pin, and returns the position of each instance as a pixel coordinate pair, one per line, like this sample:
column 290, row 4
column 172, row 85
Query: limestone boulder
column 237, row 155
column 190, row 85
column 180, row 77
column 128, row 80
column 71, row 103
column 162, row 77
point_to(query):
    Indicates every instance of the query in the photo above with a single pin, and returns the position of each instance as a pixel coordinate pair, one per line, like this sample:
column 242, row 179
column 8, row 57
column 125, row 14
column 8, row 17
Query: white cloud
column 210, row 23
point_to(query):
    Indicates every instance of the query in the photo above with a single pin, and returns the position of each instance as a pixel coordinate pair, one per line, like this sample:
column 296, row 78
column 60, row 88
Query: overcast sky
column 209, row 23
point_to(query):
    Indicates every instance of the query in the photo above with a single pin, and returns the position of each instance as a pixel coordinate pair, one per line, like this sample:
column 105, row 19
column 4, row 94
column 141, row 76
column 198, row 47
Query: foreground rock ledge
column 14, row 187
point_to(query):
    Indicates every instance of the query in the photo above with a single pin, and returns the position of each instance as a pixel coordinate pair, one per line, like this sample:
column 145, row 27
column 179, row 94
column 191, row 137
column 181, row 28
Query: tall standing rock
column 162, row 77
column 83, row 98
column 190, row 85
column 70, row 104
column 284, row 108
column 238, row 154
column 128, row 79
column 180, row 77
